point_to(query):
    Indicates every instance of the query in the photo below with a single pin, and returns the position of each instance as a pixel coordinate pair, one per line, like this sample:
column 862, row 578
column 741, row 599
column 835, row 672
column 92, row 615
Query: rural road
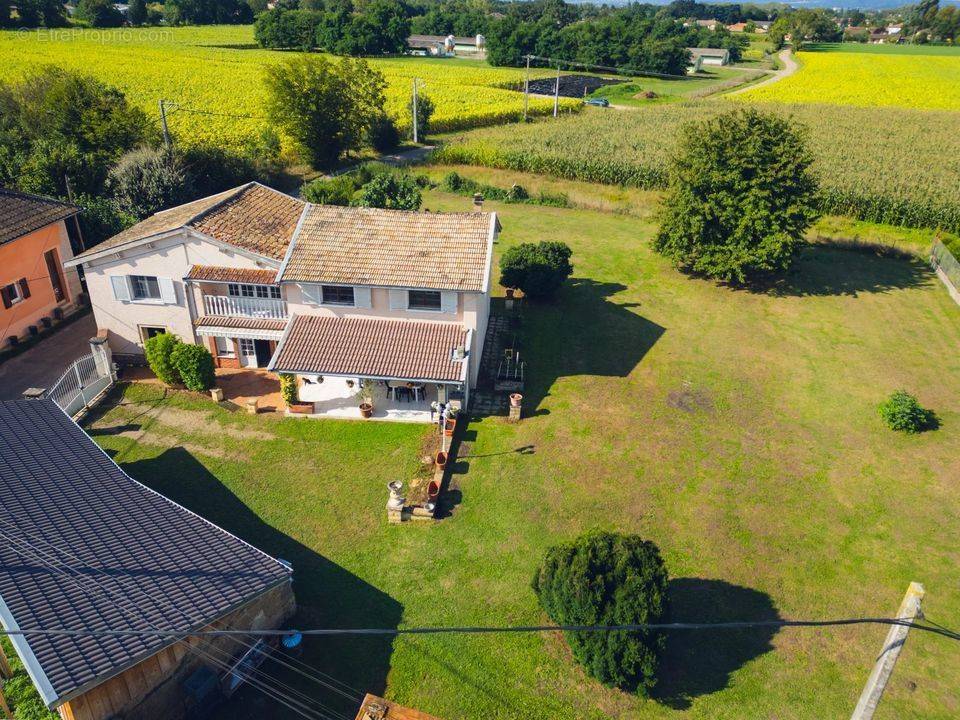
column 790, row 66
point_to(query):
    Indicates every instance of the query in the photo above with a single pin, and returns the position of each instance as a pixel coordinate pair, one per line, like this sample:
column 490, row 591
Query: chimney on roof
column 477, row 202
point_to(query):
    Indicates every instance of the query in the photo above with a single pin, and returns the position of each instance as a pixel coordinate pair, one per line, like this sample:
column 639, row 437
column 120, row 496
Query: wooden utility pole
column 526, row 90
column 556, row 94
column 414, row 102
column 163, row 122
column 883, row 667
column 4, row 708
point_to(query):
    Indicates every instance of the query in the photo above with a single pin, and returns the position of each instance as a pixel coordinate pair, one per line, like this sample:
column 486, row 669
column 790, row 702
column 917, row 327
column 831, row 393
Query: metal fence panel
column 941, row 257
column 79, row 384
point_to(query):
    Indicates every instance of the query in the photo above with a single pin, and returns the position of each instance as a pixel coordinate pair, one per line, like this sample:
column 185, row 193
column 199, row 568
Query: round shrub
column 902, row 412
column 159, row 351
column 195, row 365
column 538, row 269
column 604, row 578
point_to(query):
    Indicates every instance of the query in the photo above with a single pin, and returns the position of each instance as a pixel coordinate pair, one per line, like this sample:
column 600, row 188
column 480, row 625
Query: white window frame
column 245, row 345
column 254, row 290
column 338, row 303
column 438, row 308
column 135, row 287
column 16, row 296
column 143, row 331
column 228, row 349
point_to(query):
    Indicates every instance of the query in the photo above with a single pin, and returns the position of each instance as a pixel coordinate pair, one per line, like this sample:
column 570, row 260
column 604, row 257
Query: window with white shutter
column 398, row 299
column 312, row 294
column 361, row 297
column 121, row 287
column 168, row 291
column 448, row 302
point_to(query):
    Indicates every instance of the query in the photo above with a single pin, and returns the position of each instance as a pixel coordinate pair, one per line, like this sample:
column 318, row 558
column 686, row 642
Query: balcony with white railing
column 230, row 306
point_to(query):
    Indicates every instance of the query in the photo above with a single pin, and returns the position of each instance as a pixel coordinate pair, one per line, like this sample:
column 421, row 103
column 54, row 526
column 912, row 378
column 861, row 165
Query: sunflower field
column 888, row 165
column 213, row 77
column 881, row 78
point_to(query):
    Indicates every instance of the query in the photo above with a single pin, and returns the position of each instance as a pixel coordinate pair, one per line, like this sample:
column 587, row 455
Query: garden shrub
column 194, row 363
column 382, row 134
column 395, row 191
column 604, row 578
column 335, row 191
column 159, row 351
column 902, row 412
column 288, row 388
column 538, row 269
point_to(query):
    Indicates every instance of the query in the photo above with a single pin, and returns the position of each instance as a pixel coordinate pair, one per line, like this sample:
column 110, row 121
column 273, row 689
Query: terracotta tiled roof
column 369, row 347
column 216, row 273
column 22, row 213
column 244, row 323
column 251, row 217
column 258, row 219
column 368, row 246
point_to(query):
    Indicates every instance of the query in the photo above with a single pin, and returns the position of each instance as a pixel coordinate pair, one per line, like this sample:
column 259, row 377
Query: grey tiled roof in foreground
column 84, row 546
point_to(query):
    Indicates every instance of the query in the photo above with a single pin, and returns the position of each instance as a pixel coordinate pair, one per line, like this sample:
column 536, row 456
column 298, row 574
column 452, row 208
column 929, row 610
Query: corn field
column 888, row 165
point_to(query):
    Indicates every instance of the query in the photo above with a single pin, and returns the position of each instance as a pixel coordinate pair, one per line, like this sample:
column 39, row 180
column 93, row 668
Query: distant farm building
column 699, row 57
column 446, row 46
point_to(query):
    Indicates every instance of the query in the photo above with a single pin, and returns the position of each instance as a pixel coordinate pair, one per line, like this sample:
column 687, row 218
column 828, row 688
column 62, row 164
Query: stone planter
column 366, row 410
column 216, row 394
column 515, row 399
column 300, row 408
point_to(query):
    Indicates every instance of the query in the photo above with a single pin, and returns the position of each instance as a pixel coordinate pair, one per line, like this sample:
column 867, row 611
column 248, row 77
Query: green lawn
column 710, row 80
column 736, row 429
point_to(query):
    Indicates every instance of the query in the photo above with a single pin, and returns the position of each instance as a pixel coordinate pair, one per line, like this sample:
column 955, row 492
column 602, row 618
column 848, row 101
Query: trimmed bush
column 902, row 412
column 604, row 578
column 159, row 351
column 538, row 269
column 194, row 363
column 382, row 134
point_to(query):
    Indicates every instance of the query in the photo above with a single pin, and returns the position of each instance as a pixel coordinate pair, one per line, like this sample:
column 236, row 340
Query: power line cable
column 263, row 686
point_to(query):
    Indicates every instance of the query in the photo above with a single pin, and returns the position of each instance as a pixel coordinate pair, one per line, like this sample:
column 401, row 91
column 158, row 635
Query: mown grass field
column 711, row 80
column 916, row 77
column 215, row 75
column 888, row 165
column 736, row 429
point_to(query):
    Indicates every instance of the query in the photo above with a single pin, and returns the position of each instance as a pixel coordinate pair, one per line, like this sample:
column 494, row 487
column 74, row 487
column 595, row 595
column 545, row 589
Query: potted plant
column 367, row 395
column 290, row 394
column 441, row 459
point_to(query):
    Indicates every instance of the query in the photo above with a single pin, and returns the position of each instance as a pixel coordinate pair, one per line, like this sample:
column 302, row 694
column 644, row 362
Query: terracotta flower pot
column 433, row 491
column 366, row 410
column 515, row 399
column 448, row 427
column 441, row 459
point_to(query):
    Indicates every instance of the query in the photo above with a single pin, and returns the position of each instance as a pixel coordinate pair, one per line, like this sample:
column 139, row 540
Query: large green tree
column 604, row 578
column 325, row 108
column 741, row 196
column 56, row 125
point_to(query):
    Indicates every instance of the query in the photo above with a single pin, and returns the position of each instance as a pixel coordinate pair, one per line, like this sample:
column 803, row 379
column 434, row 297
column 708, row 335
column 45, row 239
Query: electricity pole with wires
column 414, row 109
column 526, row 90
column 163, row 122
column 883, row 667
column 556, row 94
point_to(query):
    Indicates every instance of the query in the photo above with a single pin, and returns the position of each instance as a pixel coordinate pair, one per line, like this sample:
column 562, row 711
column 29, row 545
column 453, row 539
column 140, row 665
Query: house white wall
column 380, row 307
column 167, row 258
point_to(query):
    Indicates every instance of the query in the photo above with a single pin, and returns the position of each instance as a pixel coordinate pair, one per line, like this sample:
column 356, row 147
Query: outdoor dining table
column 416, row 389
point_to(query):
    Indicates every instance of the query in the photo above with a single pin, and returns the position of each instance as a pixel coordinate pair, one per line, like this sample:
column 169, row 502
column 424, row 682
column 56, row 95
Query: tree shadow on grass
column 700, row 662
column 327, row 594
column 582, row 332
column 822, row 270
